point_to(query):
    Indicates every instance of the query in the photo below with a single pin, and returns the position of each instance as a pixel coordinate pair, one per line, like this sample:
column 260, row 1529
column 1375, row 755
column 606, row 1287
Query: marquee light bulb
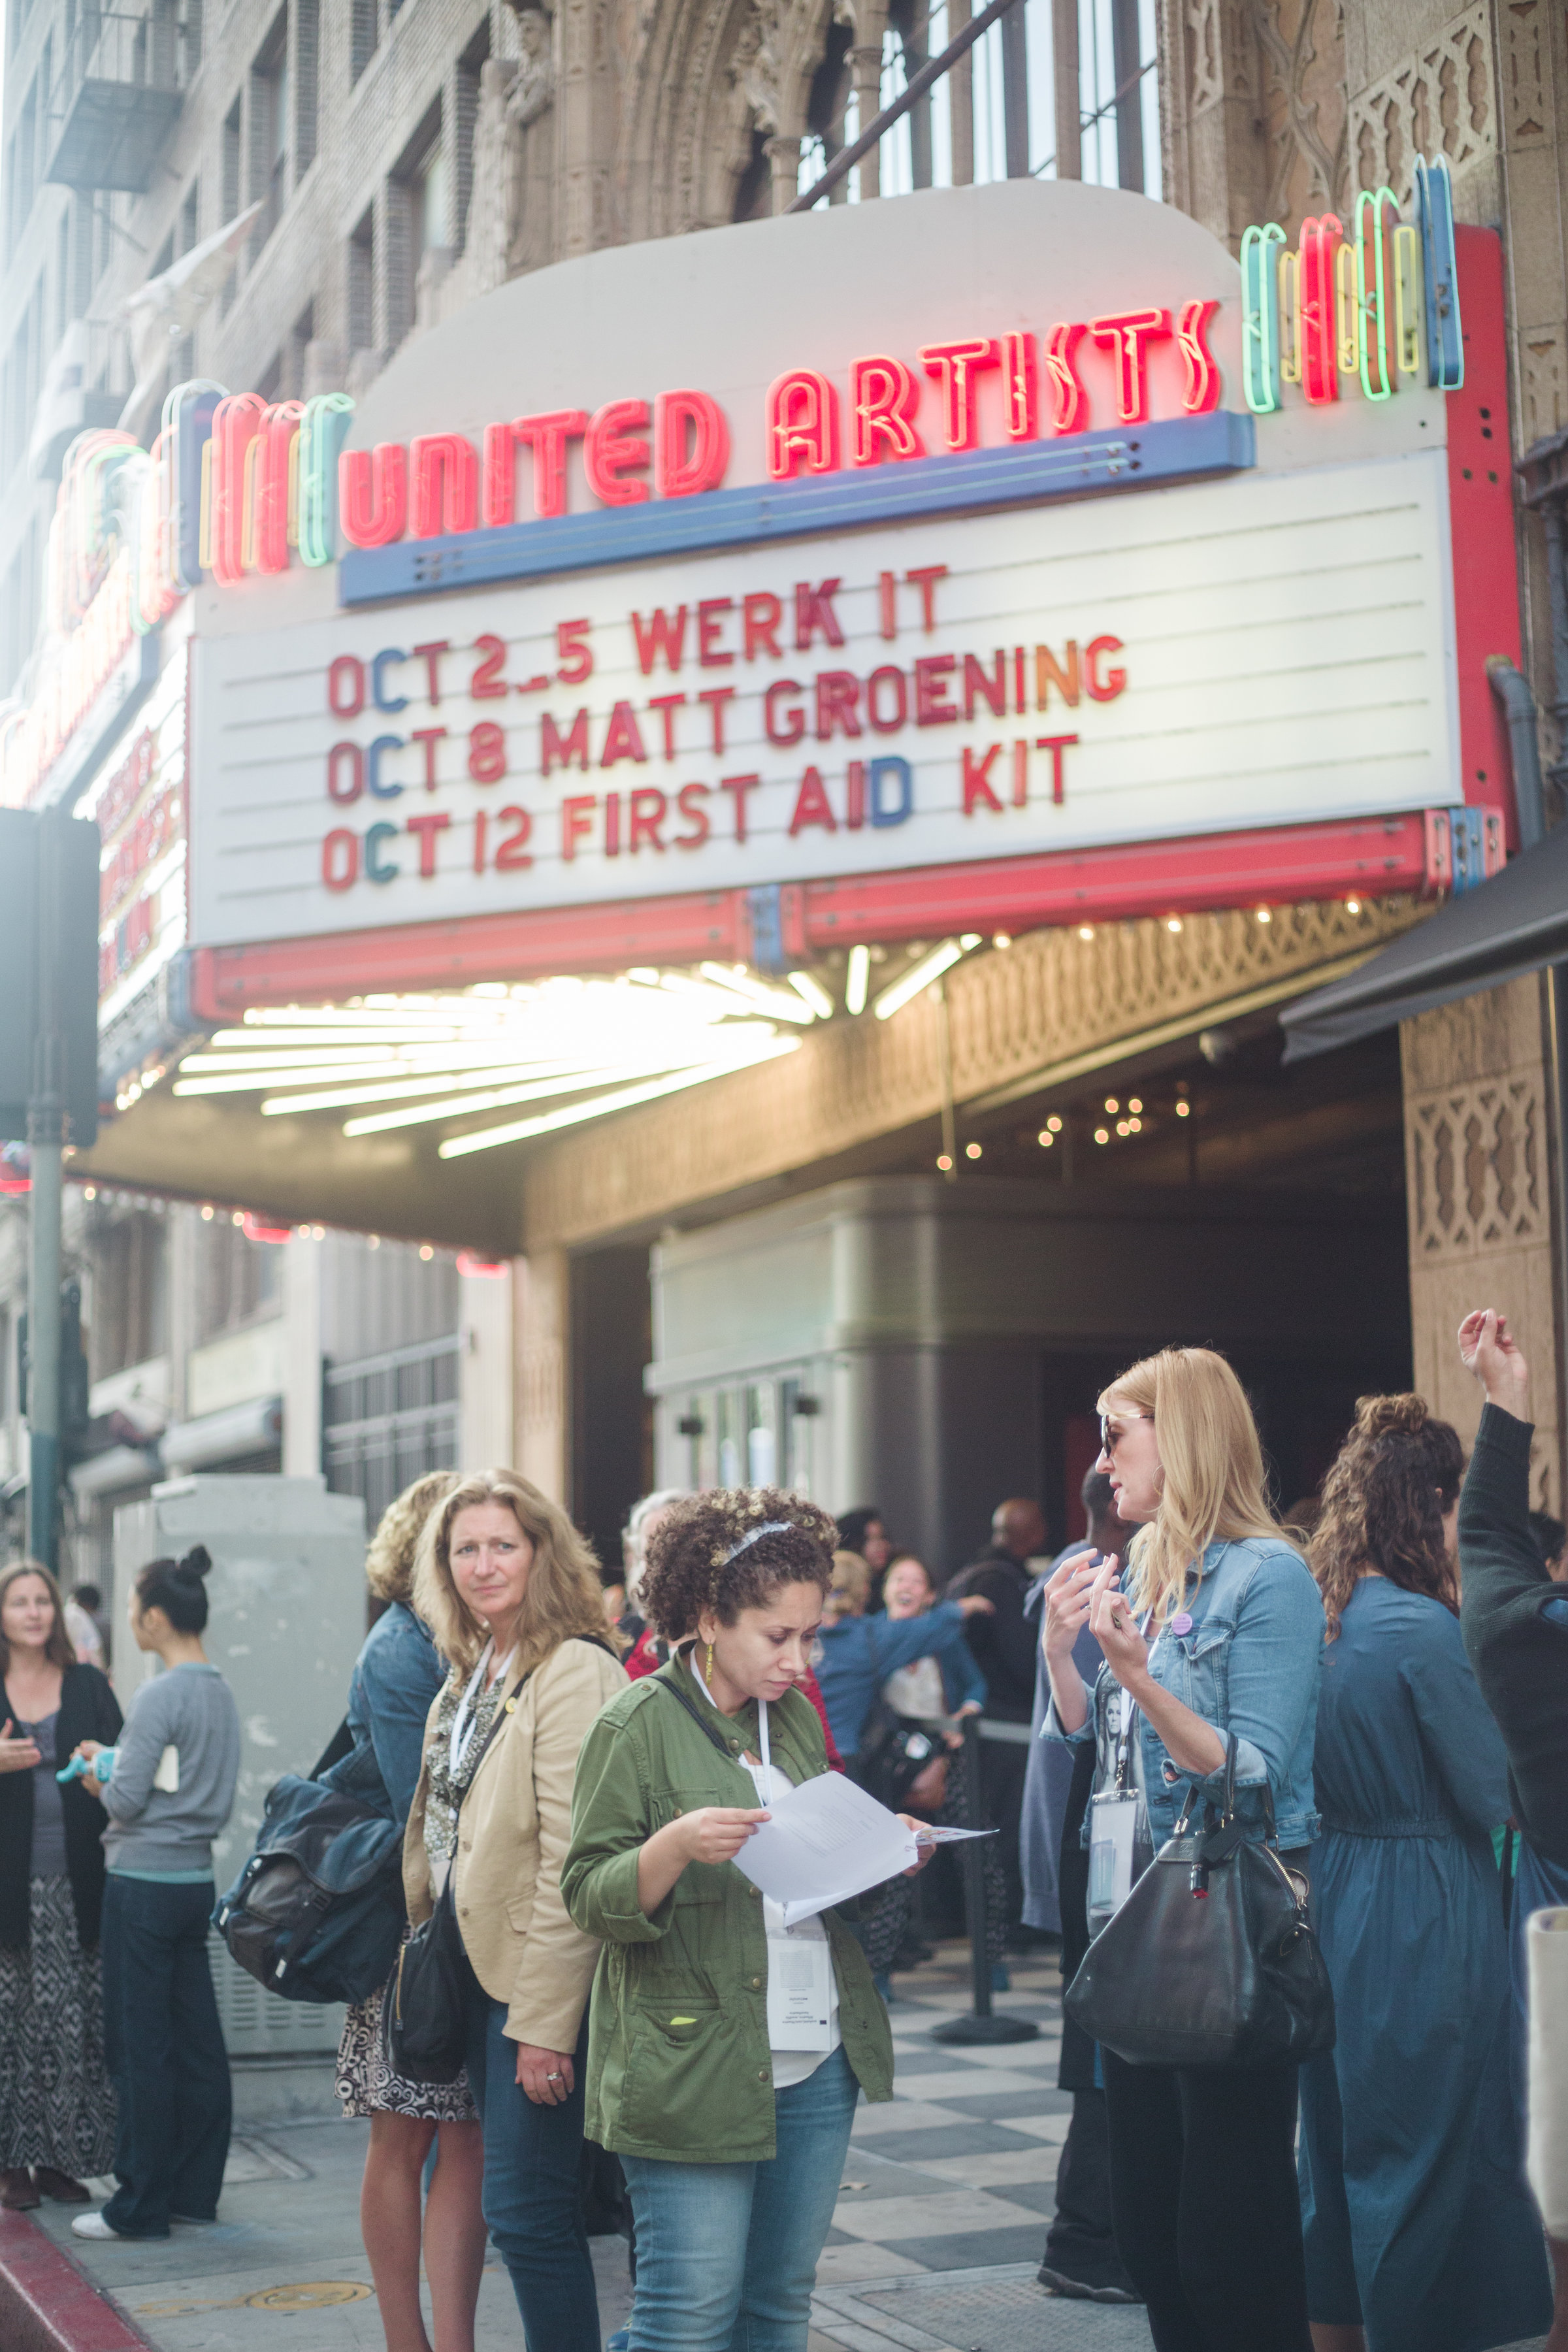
column 1102, row 1135
column 856, row 978
column 1183, row 1110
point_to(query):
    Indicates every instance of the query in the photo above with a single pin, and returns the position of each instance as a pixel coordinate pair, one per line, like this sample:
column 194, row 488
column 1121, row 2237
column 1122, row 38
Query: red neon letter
column 1128, row 333
column 956, row 365
column 607, row 453
column 1068, row 400
column 1020, row 385
column 1202, row 392
column 548, row 433
column 446, row 484
column 883, row 398
column 691, row 444
column 372, row 493
column 498, row 497
column 235, row 423
column 1320, row 242
column 277, row 433
column 801, row 427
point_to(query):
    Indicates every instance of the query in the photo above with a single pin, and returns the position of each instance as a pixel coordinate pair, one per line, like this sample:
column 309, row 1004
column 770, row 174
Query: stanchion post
column 980, row 2024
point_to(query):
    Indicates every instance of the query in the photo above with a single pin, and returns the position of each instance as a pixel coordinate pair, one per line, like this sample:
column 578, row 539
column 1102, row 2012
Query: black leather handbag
column 1211, row 1961
column 426, row 2009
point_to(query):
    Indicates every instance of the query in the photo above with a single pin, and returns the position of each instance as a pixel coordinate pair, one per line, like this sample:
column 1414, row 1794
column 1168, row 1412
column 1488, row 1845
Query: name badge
column 1113, row 1819
column 800, row 1986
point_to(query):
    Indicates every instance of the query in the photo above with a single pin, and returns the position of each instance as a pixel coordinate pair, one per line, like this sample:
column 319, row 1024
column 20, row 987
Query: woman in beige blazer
column 512, row 1594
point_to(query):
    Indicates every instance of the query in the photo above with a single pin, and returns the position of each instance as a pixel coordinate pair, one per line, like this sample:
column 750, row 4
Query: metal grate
column 1002, row 2308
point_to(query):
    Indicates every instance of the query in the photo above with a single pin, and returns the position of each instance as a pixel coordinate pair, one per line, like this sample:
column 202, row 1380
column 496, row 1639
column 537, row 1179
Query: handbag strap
column 703, row 1726
column 1271, row 1836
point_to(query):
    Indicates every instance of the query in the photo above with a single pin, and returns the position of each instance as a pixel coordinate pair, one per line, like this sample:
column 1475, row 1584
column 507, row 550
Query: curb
column 46, row 2305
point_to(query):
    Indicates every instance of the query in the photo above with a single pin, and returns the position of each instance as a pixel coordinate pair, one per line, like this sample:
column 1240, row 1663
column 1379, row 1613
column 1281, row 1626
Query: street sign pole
column 46, row 1143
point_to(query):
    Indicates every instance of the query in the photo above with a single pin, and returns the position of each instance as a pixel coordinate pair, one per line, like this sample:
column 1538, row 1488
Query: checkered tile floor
column 949, row 2190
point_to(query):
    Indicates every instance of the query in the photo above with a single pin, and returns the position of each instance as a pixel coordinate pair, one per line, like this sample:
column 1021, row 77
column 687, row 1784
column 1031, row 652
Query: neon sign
column 1380, row 304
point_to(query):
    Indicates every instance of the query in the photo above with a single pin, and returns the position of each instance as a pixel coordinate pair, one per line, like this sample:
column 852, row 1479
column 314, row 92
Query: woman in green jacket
column 732, row 2124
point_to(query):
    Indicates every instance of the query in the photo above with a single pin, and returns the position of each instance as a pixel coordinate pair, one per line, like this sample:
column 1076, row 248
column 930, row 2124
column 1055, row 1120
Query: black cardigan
column 1521, row 1656
column 88, row 1710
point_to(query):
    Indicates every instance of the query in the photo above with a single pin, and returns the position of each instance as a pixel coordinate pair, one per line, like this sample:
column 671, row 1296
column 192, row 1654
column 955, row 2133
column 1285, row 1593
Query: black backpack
column 317, row 1914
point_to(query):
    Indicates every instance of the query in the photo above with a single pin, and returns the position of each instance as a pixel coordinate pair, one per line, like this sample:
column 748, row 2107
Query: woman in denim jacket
column 1217, row 1628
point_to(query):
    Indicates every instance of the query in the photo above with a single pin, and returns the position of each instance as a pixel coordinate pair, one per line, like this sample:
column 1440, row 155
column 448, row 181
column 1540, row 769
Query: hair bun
column 196, row 1562
column 1392, row 1416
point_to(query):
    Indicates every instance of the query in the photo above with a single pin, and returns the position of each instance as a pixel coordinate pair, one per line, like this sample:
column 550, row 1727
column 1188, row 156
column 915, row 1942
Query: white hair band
column 770, row 1527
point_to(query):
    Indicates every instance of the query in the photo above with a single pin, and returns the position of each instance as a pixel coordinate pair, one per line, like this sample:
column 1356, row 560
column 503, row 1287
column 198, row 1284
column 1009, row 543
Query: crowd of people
column 577, row 1757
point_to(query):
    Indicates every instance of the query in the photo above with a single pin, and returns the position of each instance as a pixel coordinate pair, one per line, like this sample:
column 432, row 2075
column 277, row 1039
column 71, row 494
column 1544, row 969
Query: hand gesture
column 1114, row 1627
column 1488, row 1349
column 717, row 1832
column 975, row 1604
column 1067, row 1603
column 17, row 1755
column 545, row 2077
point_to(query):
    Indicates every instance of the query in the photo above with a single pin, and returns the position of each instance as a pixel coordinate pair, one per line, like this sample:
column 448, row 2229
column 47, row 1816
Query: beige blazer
column 512, row 1835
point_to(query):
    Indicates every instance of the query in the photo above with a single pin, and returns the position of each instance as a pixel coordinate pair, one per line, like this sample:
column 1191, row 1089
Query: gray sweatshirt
column 191, row 1709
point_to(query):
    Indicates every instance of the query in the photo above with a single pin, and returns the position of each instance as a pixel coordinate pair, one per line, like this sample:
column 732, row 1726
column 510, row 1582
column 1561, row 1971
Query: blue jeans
column 531, row 2207
column 727, row 2253
column 164, row 2048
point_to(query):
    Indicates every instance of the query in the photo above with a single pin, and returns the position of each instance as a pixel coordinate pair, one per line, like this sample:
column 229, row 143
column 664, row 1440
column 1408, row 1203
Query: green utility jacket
column 679, row 2064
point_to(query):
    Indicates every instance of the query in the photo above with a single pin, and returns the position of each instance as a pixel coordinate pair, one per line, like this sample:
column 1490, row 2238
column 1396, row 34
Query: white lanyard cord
column 1130, row 1705
column 465, row 1723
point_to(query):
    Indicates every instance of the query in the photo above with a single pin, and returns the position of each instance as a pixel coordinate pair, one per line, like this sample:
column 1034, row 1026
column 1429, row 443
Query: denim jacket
column 1250, row 1664
column 397, row 1674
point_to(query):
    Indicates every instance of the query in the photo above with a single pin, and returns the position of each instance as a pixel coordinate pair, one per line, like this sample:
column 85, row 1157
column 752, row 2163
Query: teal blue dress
column 1416, row 2219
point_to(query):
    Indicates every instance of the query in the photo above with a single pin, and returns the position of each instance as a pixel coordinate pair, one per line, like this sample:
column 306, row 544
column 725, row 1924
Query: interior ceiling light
column 405, row 1061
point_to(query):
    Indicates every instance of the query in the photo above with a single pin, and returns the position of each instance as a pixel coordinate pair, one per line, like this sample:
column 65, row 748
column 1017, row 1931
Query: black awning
column 1500, row 929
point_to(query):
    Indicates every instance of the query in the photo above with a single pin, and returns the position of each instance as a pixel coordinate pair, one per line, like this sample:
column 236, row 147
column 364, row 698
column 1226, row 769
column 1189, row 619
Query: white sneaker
column 93, row 2225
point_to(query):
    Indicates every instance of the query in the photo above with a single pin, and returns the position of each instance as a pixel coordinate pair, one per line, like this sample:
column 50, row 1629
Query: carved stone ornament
column 1441, row 100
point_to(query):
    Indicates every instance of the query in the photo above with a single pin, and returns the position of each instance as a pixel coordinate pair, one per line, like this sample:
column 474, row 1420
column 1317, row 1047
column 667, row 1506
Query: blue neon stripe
column 1135, row 457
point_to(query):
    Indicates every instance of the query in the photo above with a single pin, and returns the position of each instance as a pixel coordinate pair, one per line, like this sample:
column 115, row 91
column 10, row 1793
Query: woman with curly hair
column 731, row 2116
column 396, row 1676
column 1420, row 2236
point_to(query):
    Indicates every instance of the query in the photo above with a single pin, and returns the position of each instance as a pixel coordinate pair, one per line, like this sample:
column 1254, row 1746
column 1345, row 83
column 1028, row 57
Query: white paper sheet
column 828, row 1841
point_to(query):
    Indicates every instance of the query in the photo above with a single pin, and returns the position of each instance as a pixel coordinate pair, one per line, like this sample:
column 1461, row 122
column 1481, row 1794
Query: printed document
column 828, row 1841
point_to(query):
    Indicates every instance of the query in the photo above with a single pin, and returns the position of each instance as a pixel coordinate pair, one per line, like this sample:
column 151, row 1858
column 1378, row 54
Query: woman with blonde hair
column 1213, row 1635
column 397, row 1677
column 511, row 1592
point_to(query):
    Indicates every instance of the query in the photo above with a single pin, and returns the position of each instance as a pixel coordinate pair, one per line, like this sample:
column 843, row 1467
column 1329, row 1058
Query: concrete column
column 486, row 1423
column 1068, row 92
column 302, row 1343
column 1484, row 1224
column 541, row 1338
column 867, row 62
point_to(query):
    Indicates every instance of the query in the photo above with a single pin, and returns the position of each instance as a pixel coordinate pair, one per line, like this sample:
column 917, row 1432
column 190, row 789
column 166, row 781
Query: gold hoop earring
column 710, row 1665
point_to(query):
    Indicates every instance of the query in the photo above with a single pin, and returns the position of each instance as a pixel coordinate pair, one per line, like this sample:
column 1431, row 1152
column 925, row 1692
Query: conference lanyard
column 466, row 1721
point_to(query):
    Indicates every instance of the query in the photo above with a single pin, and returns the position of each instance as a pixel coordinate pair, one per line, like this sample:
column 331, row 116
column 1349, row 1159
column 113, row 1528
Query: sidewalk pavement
column 939, row 2229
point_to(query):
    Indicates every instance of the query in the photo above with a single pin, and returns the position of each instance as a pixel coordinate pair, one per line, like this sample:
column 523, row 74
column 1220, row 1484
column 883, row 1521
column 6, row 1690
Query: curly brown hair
column 689, row 1565
column 389, row 1562
column 1384, row 1502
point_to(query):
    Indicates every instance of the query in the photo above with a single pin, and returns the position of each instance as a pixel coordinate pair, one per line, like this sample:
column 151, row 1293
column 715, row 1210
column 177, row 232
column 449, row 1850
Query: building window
column 238, row 1281
column 129, row 1294
column 231, row 196
column 388, row 1419
column 363, row 33
column 466, row 106
column 362, row 284
column 269, row 131
column 306, row 68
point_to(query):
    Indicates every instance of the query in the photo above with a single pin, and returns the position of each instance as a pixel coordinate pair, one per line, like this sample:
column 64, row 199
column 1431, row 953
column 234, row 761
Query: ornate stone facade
column 1479, row 1153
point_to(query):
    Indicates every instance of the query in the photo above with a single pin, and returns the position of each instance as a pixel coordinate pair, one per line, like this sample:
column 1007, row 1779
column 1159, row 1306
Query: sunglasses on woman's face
column 1112, row 1434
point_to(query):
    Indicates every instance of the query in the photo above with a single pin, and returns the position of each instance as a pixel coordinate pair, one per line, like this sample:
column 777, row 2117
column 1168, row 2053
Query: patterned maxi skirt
column 57, row 2102
column 369, row 2085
